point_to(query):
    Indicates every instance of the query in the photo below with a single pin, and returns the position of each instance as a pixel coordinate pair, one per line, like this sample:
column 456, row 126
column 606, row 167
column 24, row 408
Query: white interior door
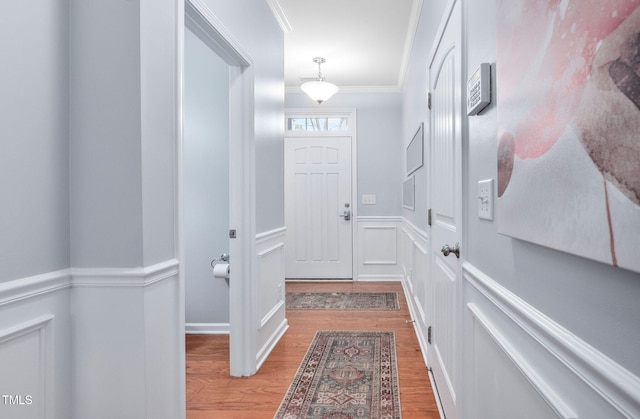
column 318, row 207
column 446, row 203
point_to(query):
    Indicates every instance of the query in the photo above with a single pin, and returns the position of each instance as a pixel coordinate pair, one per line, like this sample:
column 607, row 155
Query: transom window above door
column 317, row 124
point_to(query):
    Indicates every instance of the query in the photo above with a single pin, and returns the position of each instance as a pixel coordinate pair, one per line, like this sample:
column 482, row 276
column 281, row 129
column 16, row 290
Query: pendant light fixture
column 319, row 90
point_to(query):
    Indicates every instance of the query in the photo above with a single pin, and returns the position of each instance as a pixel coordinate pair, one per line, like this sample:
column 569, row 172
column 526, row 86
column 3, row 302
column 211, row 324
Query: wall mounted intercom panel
column 479, row 89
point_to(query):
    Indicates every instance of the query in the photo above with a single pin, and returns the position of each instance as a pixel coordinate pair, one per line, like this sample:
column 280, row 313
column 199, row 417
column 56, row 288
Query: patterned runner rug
column 345, row 375
column 342, row 301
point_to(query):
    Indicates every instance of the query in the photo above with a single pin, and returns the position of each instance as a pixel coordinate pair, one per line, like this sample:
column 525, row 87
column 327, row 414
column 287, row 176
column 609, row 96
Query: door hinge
column 429, row 216
column 429, row 100
column 429, row 335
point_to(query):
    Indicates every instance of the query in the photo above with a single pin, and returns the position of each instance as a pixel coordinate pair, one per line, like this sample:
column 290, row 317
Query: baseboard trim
column 206, row 328
column 32, row 286
column 266, row 349
column 380, row 278
column 615, row 384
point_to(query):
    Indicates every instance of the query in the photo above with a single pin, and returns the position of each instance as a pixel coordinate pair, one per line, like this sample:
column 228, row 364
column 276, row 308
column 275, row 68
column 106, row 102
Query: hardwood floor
column 211, row 393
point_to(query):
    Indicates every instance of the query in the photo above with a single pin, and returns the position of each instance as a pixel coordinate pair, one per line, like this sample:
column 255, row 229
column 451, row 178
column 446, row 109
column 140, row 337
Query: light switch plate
column 368, row 199
column 485, row 199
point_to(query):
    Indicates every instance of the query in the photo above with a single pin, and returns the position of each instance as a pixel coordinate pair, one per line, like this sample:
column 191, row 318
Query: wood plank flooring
column 212, row 393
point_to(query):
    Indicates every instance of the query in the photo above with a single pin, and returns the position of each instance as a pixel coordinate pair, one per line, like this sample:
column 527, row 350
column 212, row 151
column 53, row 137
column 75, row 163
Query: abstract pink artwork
column 568, row 98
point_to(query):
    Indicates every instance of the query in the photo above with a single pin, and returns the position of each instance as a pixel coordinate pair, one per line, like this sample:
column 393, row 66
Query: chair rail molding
column 23, row 288
column 124, row 277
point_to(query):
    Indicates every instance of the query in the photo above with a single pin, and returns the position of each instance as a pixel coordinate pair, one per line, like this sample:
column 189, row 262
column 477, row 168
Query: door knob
column 446, row 249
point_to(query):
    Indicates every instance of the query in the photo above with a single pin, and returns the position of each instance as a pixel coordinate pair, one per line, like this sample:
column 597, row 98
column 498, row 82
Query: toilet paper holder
column 224, row 258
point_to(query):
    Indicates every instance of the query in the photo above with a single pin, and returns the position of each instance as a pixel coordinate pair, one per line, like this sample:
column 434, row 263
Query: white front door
column 446, row 197
column 318, row 208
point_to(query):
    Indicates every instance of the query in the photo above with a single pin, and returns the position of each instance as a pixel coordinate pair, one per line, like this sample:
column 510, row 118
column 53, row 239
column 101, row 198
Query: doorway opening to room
column 215, row 205
column 320, row 194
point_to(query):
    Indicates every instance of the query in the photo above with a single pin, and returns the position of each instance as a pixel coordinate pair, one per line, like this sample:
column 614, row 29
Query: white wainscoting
column 35, row 346
column 271, row 321
column 517, row 360
column 126, row 342
column 378, row 245
column 414, row 255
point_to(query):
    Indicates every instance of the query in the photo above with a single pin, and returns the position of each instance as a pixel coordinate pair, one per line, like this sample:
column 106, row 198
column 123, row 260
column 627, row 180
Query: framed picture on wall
column 568, row 123
column 408, row 193
column 415, row 151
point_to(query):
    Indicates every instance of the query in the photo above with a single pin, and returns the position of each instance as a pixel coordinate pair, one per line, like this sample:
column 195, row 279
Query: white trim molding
column 581, row 363
column 268, row 346
column 270, row 299
column 124, row 277
column 206, row 328
column 280, row 15
column 42, row 391
column 378, row 251
column 23, row 288
column 529, row 373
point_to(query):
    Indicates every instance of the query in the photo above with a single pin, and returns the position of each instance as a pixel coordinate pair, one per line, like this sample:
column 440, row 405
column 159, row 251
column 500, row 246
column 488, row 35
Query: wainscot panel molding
column 378, row 244
column 207, row 328
column 571, row 376
column 26, row 352
column 20, row 289
column 414, row 259
column 129, row 318
column 270, row 296
column 35, row 345
column 523, row 374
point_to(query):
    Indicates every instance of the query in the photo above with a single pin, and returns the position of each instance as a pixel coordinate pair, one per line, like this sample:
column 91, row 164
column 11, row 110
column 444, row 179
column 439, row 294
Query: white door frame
column 350, row 114
column 242, row 214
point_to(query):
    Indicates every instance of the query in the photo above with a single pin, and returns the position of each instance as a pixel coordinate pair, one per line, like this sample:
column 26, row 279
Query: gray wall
column 34, row 208
column 596, row 302
column 105, row 151
column 122, row 133
column 34, row 116
column 414, row 103
column 255, row 28
column 206, row 180
column 380, row 147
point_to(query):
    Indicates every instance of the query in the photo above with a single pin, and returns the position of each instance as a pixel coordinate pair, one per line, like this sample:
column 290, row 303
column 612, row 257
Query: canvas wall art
column 568, row 98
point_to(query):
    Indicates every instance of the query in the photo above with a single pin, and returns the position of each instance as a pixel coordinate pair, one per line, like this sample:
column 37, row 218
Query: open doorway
column 215, row 169
column 205, row 185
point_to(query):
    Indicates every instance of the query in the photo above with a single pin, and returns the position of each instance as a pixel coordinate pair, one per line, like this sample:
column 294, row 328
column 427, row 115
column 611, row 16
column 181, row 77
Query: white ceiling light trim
column 319, row 90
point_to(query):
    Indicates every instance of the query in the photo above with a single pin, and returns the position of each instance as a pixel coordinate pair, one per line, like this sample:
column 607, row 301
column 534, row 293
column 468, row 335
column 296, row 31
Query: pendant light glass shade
column 319, row 90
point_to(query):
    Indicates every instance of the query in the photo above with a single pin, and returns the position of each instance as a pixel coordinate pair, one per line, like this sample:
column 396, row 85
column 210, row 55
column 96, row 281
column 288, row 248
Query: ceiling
column 366, row 43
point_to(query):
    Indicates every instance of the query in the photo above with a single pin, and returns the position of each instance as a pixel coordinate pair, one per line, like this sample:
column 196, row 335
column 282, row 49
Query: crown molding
column 281, row 17
column 412, row 28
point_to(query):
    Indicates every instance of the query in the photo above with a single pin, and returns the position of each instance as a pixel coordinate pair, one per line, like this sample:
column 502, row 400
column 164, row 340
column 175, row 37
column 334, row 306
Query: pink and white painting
column 568, row 97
